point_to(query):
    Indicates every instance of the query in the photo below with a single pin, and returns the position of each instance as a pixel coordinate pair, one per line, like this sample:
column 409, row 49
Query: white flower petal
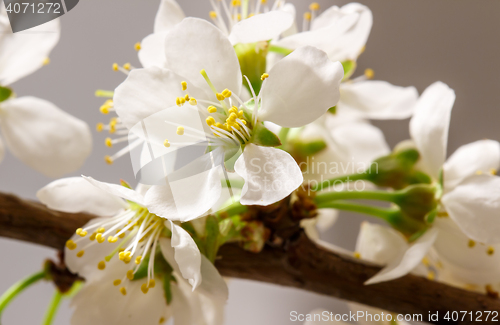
column 300, row 88
column 375, row 99
column 195, row 44
column 148, row 91
column 407, row 262
column 380, row 244
column 25, row 52
column 270, row 175
column 187, row 255
column 100, row 303
column 169, row 14
column 116, row 190
column 262, row 27
column 75, row 194
column 342, row 33
column 429, row 126
column 475, row 206
column 480, row 156
column 152, row 52
column 44, row 137
column 290, row 8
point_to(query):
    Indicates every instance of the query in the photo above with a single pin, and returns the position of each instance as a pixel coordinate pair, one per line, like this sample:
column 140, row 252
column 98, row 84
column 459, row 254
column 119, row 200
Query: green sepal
column 333, row 110
column 5, row 93
column 212, row 237
column 167, row 289
column 417, row 201
column 349, row 68
column 262, row 136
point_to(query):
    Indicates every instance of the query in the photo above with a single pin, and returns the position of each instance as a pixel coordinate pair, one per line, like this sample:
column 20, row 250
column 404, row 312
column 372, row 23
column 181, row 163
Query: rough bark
column 301, row 264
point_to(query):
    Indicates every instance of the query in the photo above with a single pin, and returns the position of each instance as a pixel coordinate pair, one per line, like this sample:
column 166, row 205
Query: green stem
column 357, row 195
column 280, row 50
column 19, row 287
column 235, row 183
column 234, row 209
column 53, row 307
column 381, row 213
column 342, row 179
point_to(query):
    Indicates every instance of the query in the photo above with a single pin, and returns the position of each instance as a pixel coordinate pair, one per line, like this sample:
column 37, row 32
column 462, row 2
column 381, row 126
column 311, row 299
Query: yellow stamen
column 152, row 283
column 307, row 15
column 212, row 109
column 233, row 110
column 213, row 14
column 431, row 275
column 108, row 160
column 46, row 61
column 117, row 282
column 80, row 253
column 127, row 66
column 115, row 67
column 180, row 130
column 357, row 255
column 162, row 320
column 138, row 260
column 236, row 3
column 264, row 76
column 192, row 101
column 493, row 171
column 479, row 172
column 101, row 230
column 490, row 250
column 101, row 265
column 471, row 243
column 71, row 245
column 130, row 274
column 123, row 291
column 92, row 237
column 104, row 109
column 369, row 73
column 210, row 121
column 80, row 232
column 99, row 127
column 314, row 6
column 166, row 143
column 184, row 85
column 220, row 96
column 137, row 46
column 108, row 142
column 144, row 288
column 112, row 239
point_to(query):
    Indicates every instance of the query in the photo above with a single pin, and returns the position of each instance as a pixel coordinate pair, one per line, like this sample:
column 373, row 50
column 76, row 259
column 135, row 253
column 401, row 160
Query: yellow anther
column 122, row 235
column 112, row 129
column 100, row 238
column 123, row 291
column 80, row 232
column 80, row 253
column 101, row 265
column 232, row 117
column 127, row 66
column 130, row 274
column 210, row 121
column 233, row 110
column 264, row 76
column 226, row 93
column 108, row 142
column 104, row 109
column 112, row 239
column 307, row 16
column 236, row 3
column 99, row 127
column 425, row 261
column 182, row 100
column 162, row 320
column 101, row 230
column 178, row 101
column 213, row 14
column 117, row 282
column 144, row 288
column 184, row 85
column 431, row 275
column 166, row 143
column 152, row 283
column 263, row 2
column 314, row 6
column 92, row 237
column 490, row 251
column 238, row 17
column 212, row 109
column 121, row 255
column 220, row 96
column 369, row 73
column 138, row 260
column 471, row 243
column 244, row 122
column 493, row 171
column 357, row 255
column 46, row 61
column 70, row 244
column 479, row 172
column 192, row 101
column 108, row 160
column 219, row 125
column 241, row 114
column 137, row 46
column 115, row 67
column 180, row 130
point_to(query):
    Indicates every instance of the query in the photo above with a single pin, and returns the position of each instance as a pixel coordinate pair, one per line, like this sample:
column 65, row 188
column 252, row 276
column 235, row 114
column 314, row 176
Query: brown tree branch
column 301, row 264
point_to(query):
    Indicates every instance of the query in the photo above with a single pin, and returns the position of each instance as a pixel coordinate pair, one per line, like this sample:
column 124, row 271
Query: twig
column 301, row 264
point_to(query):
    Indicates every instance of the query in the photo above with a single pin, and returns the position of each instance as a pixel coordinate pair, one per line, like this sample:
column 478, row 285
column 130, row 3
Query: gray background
column 412, row 43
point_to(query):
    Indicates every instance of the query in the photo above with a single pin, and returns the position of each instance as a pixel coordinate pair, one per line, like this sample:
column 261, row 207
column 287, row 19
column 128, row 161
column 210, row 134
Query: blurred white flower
column 125, row 253
column 35, row 131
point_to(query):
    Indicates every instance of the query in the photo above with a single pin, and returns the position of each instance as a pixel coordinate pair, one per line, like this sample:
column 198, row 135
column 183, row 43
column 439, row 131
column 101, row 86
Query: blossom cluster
column 236, row 114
